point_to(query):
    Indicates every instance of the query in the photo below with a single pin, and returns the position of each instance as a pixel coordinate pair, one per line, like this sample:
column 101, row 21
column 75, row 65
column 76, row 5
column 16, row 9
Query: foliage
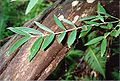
column 17, row 44
column 12, row 14
column 95, row 54
column 30, row 5
column 72, row 38
column 68, row 67
column 35, row 47
column 94, row 61
column 116, row 74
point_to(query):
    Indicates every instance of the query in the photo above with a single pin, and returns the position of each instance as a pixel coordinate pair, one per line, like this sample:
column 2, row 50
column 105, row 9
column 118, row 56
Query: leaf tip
column 54, row 15
column 26, row 12
column 35, row 22
column 86, row 44
column 69, row 46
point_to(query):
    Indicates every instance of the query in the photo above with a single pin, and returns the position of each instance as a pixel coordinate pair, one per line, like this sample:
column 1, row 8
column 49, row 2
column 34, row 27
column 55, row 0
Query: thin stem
column 109, row 15
column 69, row 30
column 114, row 17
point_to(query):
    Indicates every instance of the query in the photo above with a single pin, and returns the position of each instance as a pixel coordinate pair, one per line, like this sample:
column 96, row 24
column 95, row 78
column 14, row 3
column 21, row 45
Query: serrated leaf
column 95, row 62
column 101, row 9
column 43, row 27
column 95, row 40
column 17, row 31
column 31, row 4
column 61, row 37
column 69, row 22
column 29, row 30
column 47, row 41
column 59, row 23
column 72, row 38
column 83, row 33
column 35, row 47
column 87, row 18
column 103, row 46
column 17, row 44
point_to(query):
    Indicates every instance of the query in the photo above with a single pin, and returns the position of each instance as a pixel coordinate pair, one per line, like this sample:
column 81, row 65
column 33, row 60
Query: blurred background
column 12, row 14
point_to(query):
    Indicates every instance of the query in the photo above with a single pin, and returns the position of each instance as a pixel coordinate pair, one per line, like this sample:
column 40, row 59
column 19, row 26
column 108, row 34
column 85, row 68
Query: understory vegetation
column 94, row 46
column 12, row 14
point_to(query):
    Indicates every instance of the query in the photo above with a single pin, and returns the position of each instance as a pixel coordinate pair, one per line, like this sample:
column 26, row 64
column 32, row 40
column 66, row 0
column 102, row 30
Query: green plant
column 116, row 74
column 95, row 54
column 12, row 14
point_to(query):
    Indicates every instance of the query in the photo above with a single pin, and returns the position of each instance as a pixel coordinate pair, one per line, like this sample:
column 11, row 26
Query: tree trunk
column 17, row 66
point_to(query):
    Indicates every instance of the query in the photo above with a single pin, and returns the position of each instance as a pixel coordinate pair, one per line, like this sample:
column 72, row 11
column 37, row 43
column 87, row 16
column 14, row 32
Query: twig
column 69, row 30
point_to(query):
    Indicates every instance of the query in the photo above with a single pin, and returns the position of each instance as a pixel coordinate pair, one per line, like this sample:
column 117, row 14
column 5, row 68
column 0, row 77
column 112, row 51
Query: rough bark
column 17, row 66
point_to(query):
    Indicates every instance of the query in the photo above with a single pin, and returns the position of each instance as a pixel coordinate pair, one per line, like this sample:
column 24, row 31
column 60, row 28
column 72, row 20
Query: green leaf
column 92, row 35
column 96, row 19
column 69, row 22
column 84, row 28
column 113, row 33
column 29, row 30
column 95, row 61
column 104, row 27
column 101, row 9
column 101, row 18
column 87, row 18
column 83, row 33
column 17, row 44
column 95, row 40
column 103, row 46
column 61, row 37
column 35, row 47
column 18, row 31
column 43, row 27
column 73, row 53
column 106, row 34
column 92, row 23
column 118, row 32
column 71, row 38
column 59, row 23
column 116, row 74
column 47, row 41
column 31, row 4
column 110, row 25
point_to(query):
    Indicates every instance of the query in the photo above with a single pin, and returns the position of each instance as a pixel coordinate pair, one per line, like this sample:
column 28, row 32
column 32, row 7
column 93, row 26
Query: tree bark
column 17, row 66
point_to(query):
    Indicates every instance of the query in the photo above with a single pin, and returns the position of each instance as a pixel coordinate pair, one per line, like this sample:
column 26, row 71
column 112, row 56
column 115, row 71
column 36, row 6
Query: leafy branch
column 89, row 22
